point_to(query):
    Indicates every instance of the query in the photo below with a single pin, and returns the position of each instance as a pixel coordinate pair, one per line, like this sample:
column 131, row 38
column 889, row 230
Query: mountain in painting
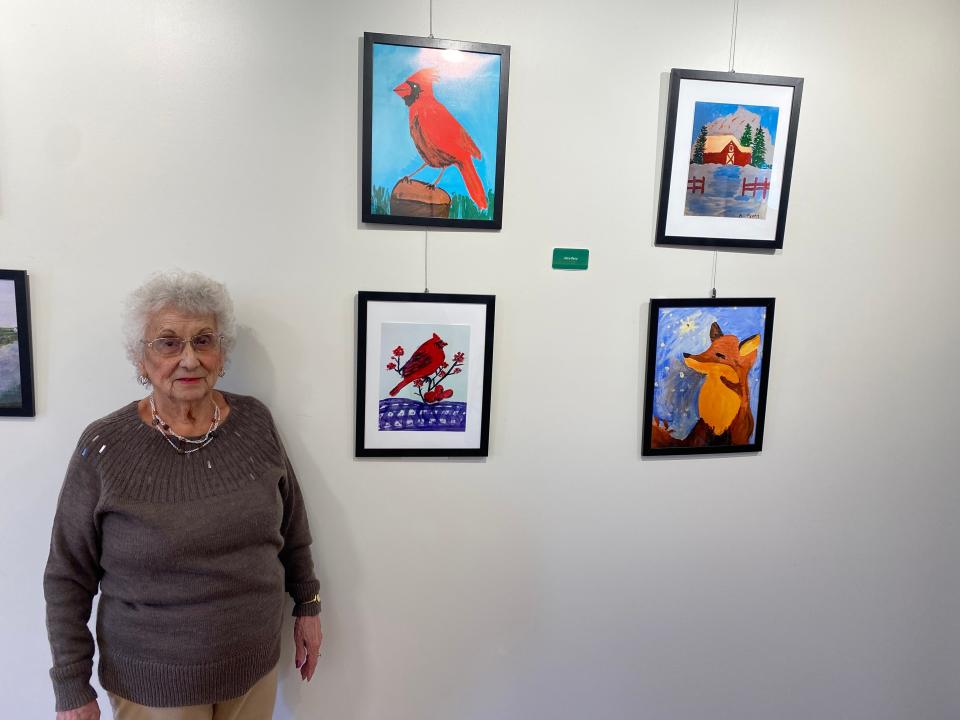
column 734, row 124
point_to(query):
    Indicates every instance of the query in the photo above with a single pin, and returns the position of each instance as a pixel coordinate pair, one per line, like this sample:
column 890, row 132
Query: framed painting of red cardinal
column 424, row 370
column 708, row 362
column 728, row 159
column 434, row 131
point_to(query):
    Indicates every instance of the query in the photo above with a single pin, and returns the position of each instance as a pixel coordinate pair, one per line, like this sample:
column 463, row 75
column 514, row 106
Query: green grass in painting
column 7, row 336
column 380, row 201
column 463, row 208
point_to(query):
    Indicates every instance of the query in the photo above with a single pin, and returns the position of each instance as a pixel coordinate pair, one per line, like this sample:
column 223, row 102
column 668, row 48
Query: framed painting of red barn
column 728, row 159
column 434, row 131
column 708, row 365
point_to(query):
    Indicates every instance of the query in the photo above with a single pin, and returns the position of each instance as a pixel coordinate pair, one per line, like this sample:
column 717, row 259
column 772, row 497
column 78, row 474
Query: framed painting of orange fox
column 708, row 363
column 728, row 159
column 434, row 131
column 424, row 370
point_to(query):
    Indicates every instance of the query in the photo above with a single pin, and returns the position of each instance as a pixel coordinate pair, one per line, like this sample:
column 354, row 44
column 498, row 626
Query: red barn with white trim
column 726, row 150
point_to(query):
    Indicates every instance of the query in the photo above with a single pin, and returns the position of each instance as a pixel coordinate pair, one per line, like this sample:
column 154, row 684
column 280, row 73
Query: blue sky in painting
column 705, row 112
column 687, row 329
column 469, row 87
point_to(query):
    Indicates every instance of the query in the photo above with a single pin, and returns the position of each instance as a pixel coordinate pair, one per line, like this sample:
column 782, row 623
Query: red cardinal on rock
column 425, row 361
column 440, row 139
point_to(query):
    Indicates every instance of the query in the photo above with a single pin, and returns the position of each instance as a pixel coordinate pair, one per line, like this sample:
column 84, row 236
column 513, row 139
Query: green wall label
column 570, row 258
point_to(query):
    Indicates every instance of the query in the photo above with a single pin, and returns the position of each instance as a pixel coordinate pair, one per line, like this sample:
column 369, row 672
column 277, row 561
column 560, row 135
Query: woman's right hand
column 90, row 711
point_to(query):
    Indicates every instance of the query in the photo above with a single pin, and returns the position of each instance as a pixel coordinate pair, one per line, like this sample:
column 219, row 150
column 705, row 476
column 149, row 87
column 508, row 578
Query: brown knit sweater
column 191, row 554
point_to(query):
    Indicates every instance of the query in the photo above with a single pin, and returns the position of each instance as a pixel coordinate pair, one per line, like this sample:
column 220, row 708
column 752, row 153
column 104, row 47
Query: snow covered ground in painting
column 10, row 375
column 722, row 187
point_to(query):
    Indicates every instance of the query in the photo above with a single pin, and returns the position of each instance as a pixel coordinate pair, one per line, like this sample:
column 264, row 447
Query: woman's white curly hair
column 188, row 292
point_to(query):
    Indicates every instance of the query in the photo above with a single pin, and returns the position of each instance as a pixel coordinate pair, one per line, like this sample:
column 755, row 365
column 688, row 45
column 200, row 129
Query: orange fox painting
column 707, row 368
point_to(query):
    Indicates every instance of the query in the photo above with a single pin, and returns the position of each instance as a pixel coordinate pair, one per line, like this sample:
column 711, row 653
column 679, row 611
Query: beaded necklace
column 165, row 430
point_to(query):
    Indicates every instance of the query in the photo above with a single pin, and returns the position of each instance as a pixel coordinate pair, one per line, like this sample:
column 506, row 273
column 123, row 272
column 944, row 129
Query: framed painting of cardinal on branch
column 434, row 131
column 424, row 370
column 708, row 362
column 727, row 159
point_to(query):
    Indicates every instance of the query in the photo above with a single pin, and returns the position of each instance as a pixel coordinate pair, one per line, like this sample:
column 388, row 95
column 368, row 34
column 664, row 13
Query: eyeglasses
column 173, row 346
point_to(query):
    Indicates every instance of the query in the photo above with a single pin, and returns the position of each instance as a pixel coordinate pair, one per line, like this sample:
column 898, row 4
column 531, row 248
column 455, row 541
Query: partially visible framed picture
column 16, row 366
column 708, row 363
column 434, row 131
column 424, row 371
column 727, row 159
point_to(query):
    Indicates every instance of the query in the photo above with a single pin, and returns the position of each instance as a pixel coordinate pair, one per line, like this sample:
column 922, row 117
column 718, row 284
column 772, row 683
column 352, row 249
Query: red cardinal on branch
column 440, row 139
column 422, row 363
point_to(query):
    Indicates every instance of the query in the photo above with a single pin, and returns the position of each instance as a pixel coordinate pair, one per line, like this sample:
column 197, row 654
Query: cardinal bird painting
column 424, row 374
column 438, row 137
column 423, row 383
column 707, row 375
column 425, row 361
column 434, row 131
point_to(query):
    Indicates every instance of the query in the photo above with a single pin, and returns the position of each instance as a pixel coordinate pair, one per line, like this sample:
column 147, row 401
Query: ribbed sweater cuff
column 302, row 593
column 71, row 685
column 306, row 610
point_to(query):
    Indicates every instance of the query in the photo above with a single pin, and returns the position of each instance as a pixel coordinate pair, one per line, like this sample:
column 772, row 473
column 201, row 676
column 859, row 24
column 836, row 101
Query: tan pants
column 257, row 704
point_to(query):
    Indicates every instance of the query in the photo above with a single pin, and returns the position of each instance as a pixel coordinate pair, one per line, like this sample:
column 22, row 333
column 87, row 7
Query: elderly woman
column 183, row 510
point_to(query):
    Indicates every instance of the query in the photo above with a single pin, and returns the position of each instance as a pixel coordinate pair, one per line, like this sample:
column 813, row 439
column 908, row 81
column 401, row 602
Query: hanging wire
column 730, row 60
column 426, row 242
column 713, row 285
column 426, row 233
column 733, row 33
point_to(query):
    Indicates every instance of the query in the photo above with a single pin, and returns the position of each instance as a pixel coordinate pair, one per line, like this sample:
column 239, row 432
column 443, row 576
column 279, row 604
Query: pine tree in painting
column 699, row 146
column 759, row 149
column 747, row 138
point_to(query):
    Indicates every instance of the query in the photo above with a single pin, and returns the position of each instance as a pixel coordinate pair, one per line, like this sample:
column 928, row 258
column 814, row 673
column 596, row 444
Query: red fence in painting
column 755, row 186
column 695, row 183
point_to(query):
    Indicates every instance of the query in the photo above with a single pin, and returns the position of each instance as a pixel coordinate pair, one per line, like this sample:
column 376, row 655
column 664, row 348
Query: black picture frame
column 16, row 347
column 755, row 215
column 423, row 204
column 721, row 366
column 395, row 423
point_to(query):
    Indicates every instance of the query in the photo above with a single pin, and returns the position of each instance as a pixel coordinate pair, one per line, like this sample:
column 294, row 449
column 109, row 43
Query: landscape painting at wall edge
column 731, row 155
column 424, row 381
column 434, row 117
column 11, row 391
column 706, row 376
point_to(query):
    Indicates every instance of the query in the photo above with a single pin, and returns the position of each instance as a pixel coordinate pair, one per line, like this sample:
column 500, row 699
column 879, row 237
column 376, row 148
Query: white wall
column 563, row 577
